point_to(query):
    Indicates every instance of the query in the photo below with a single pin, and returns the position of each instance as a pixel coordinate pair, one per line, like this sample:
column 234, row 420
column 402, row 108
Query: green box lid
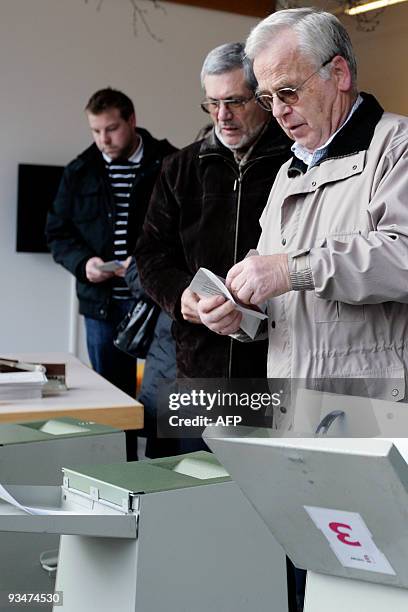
column 50, row 429
column 114, row 481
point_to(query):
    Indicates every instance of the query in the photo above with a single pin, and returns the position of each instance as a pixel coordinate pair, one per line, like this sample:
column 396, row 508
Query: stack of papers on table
column 21, row 385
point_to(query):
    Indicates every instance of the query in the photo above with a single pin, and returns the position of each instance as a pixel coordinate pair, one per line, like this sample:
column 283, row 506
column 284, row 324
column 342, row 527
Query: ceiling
column 255, row 8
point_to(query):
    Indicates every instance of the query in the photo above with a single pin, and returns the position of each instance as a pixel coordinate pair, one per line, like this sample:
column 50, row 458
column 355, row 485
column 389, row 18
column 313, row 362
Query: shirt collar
column 135, row 158
column 310, row 159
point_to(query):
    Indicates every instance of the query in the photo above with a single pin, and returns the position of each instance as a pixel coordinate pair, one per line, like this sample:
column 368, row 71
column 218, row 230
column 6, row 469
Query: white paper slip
column 7, row 497
column 110, row 266
column 205, row 283
column 350, row 539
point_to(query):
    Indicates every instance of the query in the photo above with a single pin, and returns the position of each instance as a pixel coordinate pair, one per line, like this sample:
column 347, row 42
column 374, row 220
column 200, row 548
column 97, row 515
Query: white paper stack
column 21, row 385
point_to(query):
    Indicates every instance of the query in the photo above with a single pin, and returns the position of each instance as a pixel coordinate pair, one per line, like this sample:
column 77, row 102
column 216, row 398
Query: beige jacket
column 345, row 225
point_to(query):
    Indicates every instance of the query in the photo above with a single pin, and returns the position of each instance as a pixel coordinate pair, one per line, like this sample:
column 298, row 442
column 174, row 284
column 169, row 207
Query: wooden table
column 89, row 397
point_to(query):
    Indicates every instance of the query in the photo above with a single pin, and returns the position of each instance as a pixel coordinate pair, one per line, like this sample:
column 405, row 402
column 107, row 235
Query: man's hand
column 122, row 270
column 189, row 303
column 256, row 279
column 93, row 273
column 219, row 315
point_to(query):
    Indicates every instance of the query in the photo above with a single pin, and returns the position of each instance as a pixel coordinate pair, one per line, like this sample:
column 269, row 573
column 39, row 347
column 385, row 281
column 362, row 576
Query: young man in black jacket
column 97, row 216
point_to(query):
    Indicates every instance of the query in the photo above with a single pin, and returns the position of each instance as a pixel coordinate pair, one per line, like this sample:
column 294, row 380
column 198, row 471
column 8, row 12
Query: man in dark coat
column 204, row 212
column 97, row 216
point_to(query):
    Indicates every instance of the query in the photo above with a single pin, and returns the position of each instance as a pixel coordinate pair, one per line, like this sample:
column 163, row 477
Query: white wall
column 53, row 55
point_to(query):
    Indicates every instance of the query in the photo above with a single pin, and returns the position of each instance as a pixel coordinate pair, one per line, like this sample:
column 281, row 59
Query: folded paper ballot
column 205, row 283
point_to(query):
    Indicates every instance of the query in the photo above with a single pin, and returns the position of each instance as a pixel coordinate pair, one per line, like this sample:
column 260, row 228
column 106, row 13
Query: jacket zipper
column 237, row 183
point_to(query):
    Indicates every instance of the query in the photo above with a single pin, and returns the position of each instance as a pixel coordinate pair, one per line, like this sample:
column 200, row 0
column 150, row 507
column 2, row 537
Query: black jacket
column 205, row 212
column 81, row 221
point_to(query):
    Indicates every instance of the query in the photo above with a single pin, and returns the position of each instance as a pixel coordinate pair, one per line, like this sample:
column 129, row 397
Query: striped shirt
column 121, row 176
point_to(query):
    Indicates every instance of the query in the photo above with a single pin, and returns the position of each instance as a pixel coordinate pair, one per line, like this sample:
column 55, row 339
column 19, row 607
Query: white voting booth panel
column 337, row 507
column 336, row 594
column 196, row 550
column 362, row 416
column 33, row 454
column 193, row 545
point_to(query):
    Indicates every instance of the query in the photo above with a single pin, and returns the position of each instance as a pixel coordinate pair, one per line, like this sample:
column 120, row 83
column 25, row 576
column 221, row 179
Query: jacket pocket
column 379, row 373
column 87, row 207
column 333, row 311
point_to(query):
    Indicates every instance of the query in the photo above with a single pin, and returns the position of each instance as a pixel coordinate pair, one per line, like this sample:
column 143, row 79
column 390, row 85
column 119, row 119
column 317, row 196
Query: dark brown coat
column 204, row 212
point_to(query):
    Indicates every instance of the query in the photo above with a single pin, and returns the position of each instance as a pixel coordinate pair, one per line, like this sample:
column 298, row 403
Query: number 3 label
column 350, row 539
column 343, row 536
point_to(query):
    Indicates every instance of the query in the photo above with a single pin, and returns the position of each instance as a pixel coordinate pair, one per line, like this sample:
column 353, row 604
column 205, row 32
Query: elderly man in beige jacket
column 333, row 254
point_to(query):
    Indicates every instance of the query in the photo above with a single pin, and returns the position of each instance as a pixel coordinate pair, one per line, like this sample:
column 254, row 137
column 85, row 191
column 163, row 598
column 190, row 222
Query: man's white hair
column 320, row 34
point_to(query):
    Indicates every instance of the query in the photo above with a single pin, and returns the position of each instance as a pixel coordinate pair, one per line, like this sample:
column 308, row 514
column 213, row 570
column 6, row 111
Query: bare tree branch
column 139, row 14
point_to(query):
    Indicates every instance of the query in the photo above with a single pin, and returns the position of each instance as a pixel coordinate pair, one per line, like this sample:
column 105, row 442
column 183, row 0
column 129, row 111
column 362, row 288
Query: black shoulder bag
column 135, row 333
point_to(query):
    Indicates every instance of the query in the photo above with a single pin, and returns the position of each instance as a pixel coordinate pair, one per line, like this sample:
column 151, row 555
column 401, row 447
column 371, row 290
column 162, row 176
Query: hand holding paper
column 225, row 315
column 189, row 306
column 220, row 315
column 93, row 270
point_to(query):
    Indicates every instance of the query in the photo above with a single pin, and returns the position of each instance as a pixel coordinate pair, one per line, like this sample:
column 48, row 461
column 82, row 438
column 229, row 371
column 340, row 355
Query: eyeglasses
column 232, row 104
column 287, row 95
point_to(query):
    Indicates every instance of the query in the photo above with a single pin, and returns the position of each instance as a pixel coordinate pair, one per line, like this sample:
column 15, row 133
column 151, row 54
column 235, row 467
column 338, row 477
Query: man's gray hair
column 321, row 36
column 226, row 58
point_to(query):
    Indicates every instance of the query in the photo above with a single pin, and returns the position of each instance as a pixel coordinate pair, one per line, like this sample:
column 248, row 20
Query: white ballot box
column 337, row 506
column 164, row 535
column 33, row 453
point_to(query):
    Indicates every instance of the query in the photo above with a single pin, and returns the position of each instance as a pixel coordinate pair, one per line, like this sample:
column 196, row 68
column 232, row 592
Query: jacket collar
column 272, row 142
column 356, row 135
